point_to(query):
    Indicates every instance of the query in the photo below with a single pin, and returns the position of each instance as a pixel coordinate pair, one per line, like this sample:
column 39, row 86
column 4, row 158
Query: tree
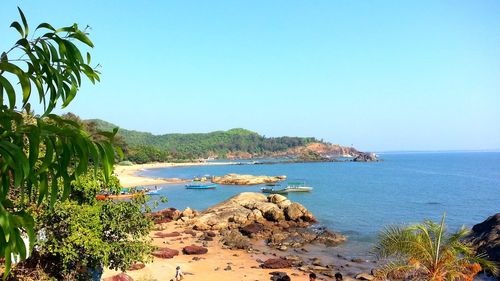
column 39, row 152
column 426, row 252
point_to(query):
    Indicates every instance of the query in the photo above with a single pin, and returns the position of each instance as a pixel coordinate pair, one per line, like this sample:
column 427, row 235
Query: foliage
column 82, row 237
column 145, row 147
column 426, row 252
column 87, row 186
column 37, row 153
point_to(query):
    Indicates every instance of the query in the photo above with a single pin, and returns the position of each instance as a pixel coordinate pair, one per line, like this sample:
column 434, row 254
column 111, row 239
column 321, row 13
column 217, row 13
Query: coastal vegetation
column 145, row 147
column 427, row 252
column 51, row 167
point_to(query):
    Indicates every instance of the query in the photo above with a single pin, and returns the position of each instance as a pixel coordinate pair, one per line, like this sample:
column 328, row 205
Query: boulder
column 252, row 229
column 137, row 266
column 165, row 234
column 194, row 250
column 485, row 237
column 296, row 211
column 165, row 253
column 233, row 239
column 119, row 277
column 279, row 276
column 276, row 263
column 188, row 212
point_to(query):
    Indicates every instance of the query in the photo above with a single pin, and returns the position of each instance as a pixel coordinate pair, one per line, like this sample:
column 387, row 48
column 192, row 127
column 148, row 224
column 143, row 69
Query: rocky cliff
column 485, row 237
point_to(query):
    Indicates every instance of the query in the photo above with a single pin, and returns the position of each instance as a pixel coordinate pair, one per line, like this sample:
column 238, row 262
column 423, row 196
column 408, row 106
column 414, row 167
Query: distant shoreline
column 128, row 175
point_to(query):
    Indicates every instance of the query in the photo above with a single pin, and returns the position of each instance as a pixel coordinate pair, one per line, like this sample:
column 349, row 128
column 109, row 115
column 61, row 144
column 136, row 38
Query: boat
column 273, row 190
column 298, row 186
column 199, row 185
column 291, row 187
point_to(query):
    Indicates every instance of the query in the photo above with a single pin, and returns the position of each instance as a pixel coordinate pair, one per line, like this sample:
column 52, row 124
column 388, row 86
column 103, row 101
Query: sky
column 379, row 75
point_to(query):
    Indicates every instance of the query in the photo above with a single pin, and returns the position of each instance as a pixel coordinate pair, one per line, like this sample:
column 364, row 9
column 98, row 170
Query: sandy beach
column 218, row 264
column 128, row 174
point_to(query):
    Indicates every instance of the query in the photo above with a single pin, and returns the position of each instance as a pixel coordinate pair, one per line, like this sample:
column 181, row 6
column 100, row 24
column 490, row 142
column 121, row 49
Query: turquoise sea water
column 359, row 199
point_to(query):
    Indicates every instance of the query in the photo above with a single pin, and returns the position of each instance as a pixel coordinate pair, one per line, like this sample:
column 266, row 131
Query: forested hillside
column 144, row 147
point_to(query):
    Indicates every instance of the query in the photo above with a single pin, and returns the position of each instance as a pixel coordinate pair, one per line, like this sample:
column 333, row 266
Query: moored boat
column 199, row 185
column 291, row 187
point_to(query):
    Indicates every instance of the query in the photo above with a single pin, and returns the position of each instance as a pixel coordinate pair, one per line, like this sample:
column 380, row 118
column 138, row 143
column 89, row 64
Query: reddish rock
column 191, row 232
column 119, row 277
column 166, row 215
column 137, row 266
column 276, row 263
column 164, row 234
column 194, row 250
column 251, row 229
column 165, row 253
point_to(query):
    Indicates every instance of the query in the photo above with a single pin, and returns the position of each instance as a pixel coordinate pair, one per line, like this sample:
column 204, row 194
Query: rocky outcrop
column 485, row 237
column 274, row 218
column 166, row 215
column 249, row 207
column 365, row 157
column 236, row 179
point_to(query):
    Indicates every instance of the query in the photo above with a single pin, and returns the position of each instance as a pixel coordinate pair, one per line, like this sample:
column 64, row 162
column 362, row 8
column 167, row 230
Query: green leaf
column 25, row 23
column 82, row 37
column 71, row 95
column 46, row 25
column 43, row 188
column 18, row 27
column 10, row 91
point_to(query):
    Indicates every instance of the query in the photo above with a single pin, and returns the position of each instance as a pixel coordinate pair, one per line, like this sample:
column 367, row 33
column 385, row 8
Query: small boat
column 153, row 192
column 198, row 185
column 274, row 191
column 291, row 187
column 298, row 186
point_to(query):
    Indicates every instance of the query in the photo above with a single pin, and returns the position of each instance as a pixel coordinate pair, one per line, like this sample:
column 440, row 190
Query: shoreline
column 128, row 175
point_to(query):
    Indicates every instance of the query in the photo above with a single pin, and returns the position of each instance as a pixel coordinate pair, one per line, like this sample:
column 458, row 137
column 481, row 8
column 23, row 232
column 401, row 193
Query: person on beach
column 178, row 274
column 312, row 276
column 338, row 276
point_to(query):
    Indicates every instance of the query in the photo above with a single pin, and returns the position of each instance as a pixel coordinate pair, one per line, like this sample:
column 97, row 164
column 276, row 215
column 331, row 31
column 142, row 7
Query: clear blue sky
column 381, row 75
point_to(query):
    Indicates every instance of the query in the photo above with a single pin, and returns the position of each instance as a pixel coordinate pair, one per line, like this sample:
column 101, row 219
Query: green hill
column 190, row 146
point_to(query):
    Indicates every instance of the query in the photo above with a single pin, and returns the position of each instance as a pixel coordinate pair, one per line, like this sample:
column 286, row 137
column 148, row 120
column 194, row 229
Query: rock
column 236, row 179
column 188, row 212
column 251, row 229
column 165, row 253
column 364, row 276
column 164, row 234
column 119, row 277
column 190, row 232
column 235, row 240
column 165, row 215
column 276, row 263
column 296, row 211
column 485, row 237
column 210, row 234
column 194, row 250
column 279, row 276
column 365, row 157
column 137, row 266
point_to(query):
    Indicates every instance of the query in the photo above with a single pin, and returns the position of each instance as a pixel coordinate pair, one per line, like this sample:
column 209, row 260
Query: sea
column 360, row 199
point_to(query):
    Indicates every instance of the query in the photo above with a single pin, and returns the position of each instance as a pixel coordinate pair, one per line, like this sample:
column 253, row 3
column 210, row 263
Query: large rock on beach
column 165, row 253
column 119, row 277
column 485, row 237
column 236, row 179
column 194, row 250
column 276, row 263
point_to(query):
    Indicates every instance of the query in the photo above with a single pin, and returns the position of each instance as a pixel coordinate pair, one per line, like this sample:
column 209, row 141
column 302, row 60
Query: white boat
column 298, row 186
